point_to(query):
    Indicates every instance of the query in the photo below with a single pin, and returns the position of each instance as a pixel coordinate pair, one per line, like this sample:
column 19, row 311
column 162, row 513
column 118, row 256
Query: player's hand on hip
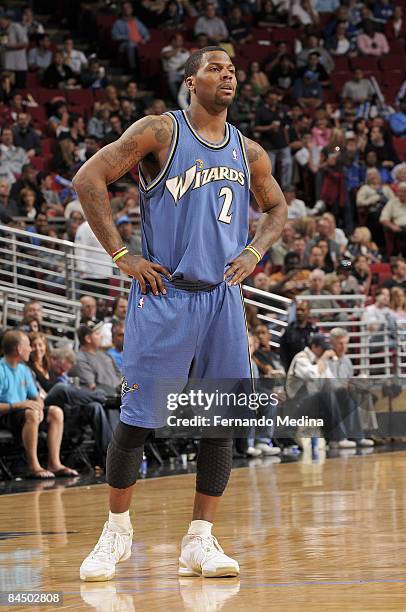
column 144, row 272
column 240, row 268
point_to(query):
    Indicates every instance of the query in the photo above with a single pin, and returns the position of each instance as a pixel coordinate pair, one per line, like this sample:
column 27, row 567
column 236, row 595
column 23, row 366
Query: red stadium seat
column 391, row 62
column 48, row 145
column 33, row 80
column 341, row 64
column 382, row 270
column 80, row 97
column 254, row 52
column 39, row 117
column 369, row 64
column 399, row 144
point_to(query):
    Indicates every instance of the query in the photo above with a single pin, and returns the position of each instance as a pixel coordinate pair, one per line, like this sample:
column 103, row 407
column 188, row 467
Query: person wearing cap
column 296, row 207
column 130, row 239
column 309, row 380
column 14, row 42
column 308, row 91
column 95, row 369
column 313, row 64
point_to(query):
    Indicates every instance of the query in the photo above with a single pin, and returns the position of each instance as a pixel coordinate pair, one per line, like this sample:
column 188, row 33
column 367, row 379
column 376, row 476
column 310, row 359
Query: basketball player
column 185, row 312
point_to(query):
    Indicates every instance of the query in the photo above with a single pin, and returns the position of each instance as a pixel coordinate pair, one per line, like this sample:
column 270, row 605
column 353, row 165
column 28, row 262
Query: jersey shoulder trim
column 172, row 148
column 244, row 153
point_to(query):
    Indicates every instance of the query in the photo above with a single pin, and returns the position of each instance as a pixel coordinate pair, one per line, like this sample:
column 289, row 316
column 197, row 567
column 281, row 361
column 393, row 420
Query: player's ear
column 190, row 84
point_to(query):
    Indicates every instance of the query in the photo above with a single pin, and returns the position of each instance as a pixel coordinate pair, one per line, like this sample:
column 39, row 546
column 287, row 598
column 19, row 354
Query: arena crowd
column 320, row 86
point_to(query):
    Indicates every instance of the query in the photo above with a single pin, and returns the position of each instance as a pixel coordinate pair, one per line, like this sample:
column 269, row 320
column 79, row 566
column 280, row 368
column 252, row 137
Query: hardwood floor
column 328, row 536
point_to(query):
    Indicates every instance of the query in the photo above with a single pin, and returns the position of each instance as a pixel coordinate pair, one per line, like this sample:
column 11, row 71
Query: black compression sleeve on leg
column 214, row 463
column 124, row 455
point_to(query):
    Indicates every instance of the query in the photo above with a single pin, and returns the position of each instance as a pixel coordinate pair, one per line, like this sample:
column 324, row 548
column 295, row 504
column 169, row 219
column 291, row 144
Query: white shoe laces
column 210, row 546
column 106, row 545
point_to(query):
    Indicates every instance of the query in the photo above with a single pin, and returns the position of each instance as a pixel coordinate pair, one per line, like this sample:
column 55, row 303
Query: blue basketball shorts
column 176, row 337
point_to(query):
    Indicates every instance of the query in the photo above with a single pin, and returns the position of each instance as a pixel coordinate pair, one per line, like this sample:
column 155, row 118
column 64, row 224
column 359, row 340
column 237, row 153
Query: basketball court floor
column 308, row 536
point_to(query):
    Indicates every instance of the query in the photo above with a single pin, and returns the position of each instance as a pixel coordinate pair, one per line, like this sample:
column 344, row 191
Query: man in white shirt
column 40, row 57
column 309, row 380
column 95, row 267
column 76, row 60
column 12, row 158
column 173, row 58
column 14, row 43
column 296, row 207
column 211, row 25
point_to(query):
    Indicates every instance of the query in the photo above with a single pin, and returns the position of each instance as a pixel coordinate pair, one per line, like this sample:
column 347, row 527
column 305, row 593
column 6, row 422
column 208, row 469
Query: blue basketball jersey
column 195, row 212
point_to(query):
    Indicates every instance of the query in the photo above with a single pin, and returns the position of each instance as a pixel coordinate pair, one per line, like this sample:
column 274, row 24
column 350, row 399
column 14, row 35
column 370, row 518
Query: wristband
column 254, row 251
column 120, row 253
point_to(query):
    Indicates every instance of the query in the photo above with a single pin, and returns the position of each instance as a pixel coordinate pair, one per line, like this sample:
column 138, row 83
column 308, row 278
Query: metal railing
column 37, row 267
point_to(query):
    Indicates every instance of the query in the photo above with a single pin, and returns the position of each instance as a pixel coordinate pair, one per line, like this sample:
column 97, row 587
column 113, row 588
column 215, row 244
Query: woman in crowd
column 39, row 361
column 398, row 305
column 361, row 243
column 258, row 79
column 27, row 203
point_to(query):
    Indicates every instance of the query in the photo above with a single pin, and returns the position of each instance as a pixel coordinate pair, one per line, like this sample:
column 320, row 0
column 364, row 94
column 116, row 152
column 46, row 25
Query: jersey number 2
column 227, row 194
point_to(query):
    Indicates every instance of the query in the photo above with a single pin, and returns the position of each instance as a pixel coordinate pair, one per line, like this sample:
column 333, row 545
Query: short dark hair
column 11, row 340
column 194, row 60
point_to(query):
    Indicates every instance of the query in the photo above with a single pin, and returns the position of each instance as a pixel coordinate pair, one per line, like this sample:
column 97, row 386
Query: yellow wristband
column 121, row 254
column 254, row 251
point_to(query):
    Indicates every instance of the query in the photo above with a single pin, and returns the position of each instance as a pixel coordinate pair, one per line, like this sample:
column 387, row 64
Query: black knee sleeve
column 213, row 468
column 124, row 455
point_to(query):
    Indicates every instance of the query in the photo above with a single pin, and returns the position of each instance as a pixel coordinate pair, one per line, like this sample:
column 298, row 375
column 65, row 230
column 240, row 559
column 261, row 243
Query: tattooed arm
column 150, row 134
column 271, row 201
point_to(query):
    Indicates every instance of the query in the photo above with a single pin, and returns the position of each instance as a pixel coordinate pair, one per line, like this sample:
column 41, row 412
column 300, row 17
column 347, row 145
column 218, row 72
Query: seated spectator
column 32, row 27
column 270, row 16
column 299, row 247
column 119, row 310
column 393, row 215
column 115, row 130
column 342, row 370
column 88, row 309
column 173, row 58
column 172, row 18
column 398, row 306
column 39, row 360
column 309, row 44
column 75, row 59
column 358, row 89
column 321, row 131
column 130, row 32
column 303, row 13
column 40, row 56
column 25, row 136
column 116, row 351
column 111, row 99
column 14, row 56
column 243, row 110
column 361, row 245
column 317, row 258
column 270, row 122
column 372, row 162
column 95, row 369
column 339, row 43
column 361, row 272
column 267, row 360
column 34, row 310
column 26, row 203
column 283, row 245
column 257, row 79
column 317, row 287
column 380, row 320
column 12, row 158
column 397, row 121
column 283, row 73
column 398, row 274
column 94, row 75
column 326, row 231
column 306, row 381
column 291, row 280
column 395, row 27
column 59, row 119
column 297, row 333
column 239, row 30
column 382, row 146
column 211, row 25
column 8, row 206
column 133, row 94
column 45, row 182
column 58, row 74
column 307, row 90
column 314, row 64
column 126, row 231
column 296, row 207
column 371, row 42
column 24, row 410
column 373, row 195
column 99, row 124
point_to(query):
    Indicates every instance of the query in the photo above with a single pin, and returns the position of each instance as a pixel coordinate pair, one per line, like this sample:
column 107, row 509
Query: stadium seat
column 80, row 97
column 254, row 52
column 399, row 143
column 368, row 64
column 341, row 64
column 39, row 117
column 391, row 62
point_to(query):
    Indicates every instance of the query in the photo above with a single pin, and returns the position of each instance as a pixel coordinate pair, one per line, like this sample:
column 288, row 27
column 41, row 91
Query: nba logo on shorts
column 235, row 155
column 141, row 303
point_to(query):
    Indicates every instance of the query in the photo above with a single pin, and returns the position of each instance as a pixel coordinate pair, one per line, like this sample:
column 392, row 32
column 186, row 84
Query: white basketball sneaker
column 202, row 555
column 111, row 548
